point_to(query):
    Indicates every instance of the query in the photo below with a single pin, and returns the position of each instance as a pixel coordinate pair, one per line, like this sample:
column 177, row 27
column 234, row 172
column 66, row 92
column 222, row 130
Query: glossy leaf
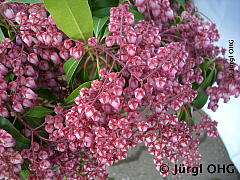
column 70, row 67
column 34, row 122
column 9, row 76
column 21, row 141
column 105, row 3
column 25, row 165
column 75, row 93
column 137, row 15
column 96, row 75
column 1, row 35
column 207, row 81
column 45, row 94
column 106, row 33
column 23, row 174
column 25, row 1
column 83, row 75
column 201, row 99
column 91, row 3
column 73, row 17
column 98, row 24
column 103, row 12
column 39, row 112
column 205, row 65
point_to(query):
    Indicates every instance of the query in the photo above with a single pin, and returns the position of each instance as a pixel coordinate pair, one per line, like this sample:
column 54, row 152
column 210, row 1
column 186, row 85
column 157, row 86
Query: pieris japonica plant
column 82, row 82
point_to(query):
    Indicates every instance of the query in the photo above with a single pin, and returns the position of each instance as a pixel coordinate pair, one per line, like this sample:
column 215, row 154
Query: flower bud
column 21, row 17
column 18, row 107
column 139, row 2
column 29, row 94
column 3, row 70
column 47, row 38
column 4, row 112
column 57, row 38
column 55, row 58
column 27, row 38
column 68, row 43
column 32, row 58
column 9, row 13
column 110, row 40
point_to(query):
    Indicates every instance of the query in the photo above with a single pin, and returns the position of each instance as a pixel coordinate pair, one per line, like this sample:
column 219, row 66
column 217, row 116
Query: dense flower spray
column 148, row 100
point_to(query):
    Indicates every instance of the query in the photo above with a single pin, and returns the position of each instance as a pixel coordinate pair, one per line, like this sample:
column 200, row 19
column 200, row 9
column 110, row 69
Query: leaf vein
column 74, row 18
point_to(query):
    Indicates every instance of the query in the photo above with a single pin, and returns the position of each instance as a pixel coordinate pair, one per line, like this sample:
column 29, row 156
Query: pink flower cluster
column 107, row 119
column 10, row 160
column 143, row 102
column 48, row 163
column 33, row 69
column 159, row 10
column 226, row 86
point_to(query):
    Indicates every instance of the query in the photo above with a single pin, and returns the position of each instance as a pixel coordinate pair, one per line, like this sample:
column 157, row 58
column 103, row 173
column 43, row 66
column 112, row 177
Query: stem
column 189, row 118
column 117, row 60
column 25, row 124
column 144, row 110
column 16, row 32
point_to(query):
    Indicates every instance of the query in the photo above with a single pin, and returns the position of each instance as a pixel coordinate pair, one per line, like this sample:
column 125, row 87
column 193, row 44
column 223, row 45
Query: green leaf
column 186, row 119
column 9, row 76
column 34, row 122
column 23, row 174
column 83, row 175
column 137, row 15
column 70, row 67
column 73, row 17
column 39, row 112
column 103, row 12
column 45, row 94
column 83, row 75
column 182, row 3
column 25, row 165
column 219, row 68
column 98, row 24
column 21, row 141
column 96, row 75
column 75, row 93
column 1, row 35
column 207, row 81
column 201, row 99
column 55, row 168
column 25, row 1
column 91, row 3
column 206, row 64
column 106, row 33
column 178, row 20
column 105, row 3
